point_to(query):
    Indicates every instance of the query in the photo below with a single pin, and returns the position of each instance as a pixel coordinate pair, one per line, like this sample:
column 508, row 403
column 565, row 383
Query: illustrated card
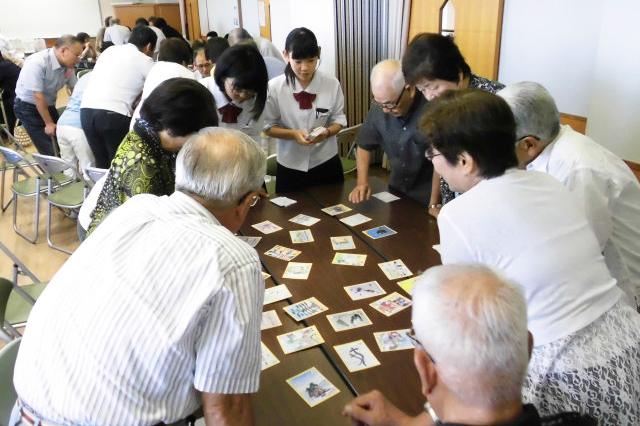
column 385, row 196
column 264, row 275
column 268, row 358
column 364, row 290
column 348, row 320
column 395, row 340
column 436, row 247
column 281, row 252
column 252, row 241
column 391, row 304
column 305, row 309
column 282, row 201
column 342, row 243
column 356, row 356
column 408, row 284
column 275, row 294
column 336, row 210
column 355, row 220
column 269, row 320
column 301, row 236
column 297, row 271
column 312, row 387
column 300, row 339
column 379, row 232
column 395, row 269
column 304, row 220
column 266, row 227
column 350, row 259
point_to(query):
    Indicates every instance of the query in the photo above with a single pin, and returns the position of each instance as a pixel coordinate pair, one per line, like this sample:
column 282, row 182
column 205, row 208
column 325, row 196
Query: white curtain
column 399, row 11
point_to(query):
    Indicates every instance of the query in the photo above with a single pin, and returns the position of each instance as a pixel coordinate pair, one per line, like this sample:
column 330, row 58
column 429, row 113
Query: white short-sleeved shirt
column 117, row 34
column 530, row 226
column 246, row 123
column 283, row 110
column 159, row 304
column 160, row 72
column 160, row 35
column 608, row 192
column 43, row 73
column 118, row 79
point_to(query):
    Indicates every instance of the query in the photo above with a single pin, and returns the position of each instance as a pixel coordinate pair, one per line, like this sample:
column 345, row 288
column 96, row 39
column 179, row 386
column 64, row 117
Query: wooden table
column 396, row 376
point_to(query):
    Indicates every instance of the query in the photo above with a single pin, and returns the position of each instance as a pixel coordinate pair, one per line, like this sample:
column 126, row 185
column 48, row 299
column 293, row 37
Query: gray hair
column 220, row 166
column 114, row 21
column 388, row 71
column 534, row 109
column 473, row 322
column 66, row 40
column 237, row 35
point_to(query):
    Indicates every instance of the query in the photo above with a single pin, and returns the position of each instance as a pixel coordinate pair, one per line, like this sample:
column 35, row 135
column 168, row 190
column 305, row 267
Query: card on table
column 268, row 358
column 395, row 269
column 305, row 309
column 364, row 290
column 394, row 340
column 282, row 201
column 312, row 387
column 275, row 294
column 304, row 220
column 342, row 243
column 269, row 320
column 264, row 275
column 301, row 236
column 348, row 320
column 266, row 227
column 281, row 252
column 252, row 241
column 350, row 259
column 298, row 340
column 336, row 210
column 379, row 232
column 408, row 284
column 385, row 196
column 297, row 271
column 391, row 304
column 436, row 247
column 356, row 356
column 355, row 220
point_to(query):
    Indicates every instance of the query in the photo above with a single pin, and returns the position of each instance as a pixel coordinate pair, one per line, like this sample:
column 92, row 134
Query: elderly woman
column 586, row 354
column 145, row 160
column 434, row 64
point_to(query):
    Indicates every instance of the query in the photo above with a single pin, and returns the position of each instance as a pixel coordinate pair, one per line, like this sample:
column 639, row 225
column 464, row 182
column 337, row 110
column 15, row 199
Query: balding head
column 388, row 87
column 473, row 323
column 237, row 35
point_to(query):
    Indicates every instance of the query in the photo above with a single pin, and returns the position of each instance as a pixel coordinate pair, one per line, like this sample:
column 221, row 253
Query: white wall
column 250, row 20
column 316, row 15
column 222, row 15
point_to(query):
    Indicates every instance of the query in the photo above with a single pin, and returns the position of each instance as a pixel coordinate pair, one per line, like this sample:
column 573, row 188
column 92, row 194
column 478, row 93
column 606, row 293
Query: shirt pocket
column 322, row 117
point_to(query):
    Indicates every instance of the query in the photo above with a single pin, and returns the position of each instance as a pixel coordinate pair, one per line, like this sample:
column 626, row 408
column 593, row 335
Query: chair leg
column 2, row 204
column 36, row 218
column 51, row 244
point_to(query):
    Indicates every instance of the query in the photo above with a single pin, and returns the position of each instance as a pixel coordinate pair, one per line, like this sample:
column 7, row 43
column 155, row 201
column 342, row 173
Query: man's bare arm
column 227, row 410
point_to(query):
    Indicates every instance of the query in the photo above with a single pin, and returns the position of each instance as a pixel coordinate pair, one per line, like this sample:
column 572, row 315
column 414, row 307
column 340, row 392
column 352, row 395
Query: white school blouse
column 283, row 110
column 246, row 123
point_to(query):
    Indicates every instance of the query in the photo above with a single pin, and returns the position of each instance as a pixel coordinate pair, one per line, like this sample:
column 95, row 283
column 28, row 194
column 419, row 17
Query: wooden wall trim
column 579, row 124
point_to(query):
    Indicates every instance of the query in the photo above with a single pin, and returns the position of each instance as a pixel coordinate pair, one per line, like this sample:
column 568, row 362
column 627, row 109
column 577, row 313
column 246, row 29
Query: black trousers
column 34, row 124
column 288, row 180
column 104, row 130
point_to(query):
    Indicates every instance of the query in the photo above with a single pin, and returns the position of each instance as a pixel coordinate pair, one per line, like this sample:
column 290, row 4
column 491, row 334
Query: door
column 193, row 19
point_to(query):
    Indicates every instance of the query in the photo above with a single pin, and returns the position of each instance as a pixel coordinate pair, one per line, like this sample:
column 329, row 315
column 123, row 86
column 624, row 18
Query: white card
column 268, row 358
column 264, row 275
column 355, row 220
column 297, row 271
column 305, row 309
column 385, row 196
column 342, row 243
column 312, row 387
column 395, row 269
column 336, row 210
column 275, row 294
column 364, row 290
column 300, row 339
column 252, row 241
column 348, row 320
column 350, row 259
column 281, row 252
column 266, row 227
column 282, row 201
column 301, row 236
column 436, row 247
column 391, row 304
column 356, row 356
column 394, row 340
column 304, row 220
column 269, row 320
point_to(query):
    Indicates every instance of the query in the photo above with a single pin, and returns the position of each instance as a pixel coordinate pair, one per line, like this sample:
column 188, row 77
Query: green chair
column 16, row 303
column 8, row 356
column 270, row 179
column 346, row 141
column 83, row 72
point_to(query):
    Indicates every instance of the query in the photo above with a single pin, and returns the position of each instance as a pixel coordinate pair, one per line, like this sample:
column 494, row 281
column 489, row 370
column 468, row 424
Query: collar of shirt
column 187, row 204
column 528, row 417
column 313, row 87
column 541, row 162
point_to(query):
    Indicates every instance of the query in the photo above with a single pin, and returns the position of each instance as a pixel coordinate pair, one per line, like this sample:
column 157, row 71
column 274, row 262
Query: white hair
column 473, row 322
column 534, row 110
column 388, row 71
column 221, row 166
column 114, row 21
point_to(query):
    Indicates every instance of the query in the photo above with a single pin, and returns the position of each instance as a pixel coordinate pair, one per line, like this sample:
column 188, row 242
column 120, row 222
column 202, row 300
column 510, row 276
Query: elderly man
column 472, row 346
column 605, row 187
column 44, row 73
column 116, row 33
column 168, row 319
column 117, row 81
column 265, row 46
column 392, row 125
column 201, row 64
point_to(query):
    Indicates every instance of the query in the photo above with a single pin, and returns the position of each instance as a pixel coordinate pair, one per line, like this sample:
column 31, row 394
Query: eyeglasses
column 411, row 334
column 254, row 199
column 390, row 105
column 430, row 153
column 205, row 65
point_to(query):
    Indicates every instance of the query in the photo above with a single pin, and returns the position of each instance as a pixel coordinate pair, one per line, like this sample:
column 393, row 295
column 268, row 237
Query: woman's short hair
column 245, row 65
column 214, row 48
column 175, row 50
column 433, row 56
column 180, row 106
column 473, row 121
column 301, row 43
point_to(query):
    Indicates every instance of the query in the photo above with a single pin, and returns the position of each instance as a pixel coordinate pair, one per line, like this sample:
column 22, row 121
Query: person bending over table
column 471, row 353
column 392, row 124
column 434, row 64
column 158, row 313
column 586, row 356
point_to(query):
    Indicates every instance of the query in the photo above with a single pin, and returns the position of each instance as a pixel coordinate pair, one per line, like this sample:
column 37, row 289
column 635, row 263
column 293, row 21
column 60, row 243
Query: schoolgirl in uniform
column 304, row 112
